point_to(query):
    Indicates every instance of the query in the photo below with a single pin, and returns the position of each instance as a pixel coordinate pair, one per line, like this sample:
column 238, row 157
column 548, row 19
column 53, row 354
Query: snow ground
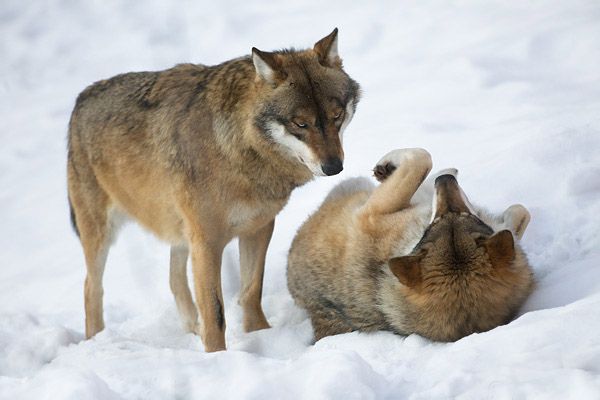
column 508, row 92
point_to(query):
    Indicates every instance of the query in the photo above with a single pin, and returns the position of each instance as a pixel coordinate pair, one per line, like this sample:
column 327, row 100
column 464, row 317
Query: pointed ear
column 268, row 65
column 516, row 218
column 327, row 50
column 501, row 248
column 407, row 269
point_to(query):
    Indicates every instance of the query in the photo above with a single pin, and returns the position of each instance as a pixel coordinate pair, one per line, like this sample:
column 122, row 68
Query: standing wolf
column 384, row 259
column 202, row 154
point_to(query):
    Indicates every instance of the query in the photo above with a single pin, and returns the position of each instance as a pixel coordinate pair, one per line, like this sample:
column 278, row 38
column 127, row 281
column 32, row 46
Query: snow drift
column 507, row 93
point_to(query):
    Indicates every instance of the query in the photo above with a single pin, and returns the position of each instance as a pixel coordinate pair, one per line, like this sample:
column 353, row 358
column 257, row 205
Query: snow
column 507, row 92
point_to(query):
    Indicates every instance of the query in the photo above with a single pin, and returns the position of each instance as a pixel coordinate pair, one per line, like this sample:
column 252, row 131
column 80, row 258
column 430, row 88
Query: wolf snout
column 332, row 166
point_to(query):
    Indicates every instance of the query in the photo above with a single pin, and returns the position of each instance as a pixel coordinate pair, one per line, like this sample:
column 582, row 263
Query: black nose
column 333, row 166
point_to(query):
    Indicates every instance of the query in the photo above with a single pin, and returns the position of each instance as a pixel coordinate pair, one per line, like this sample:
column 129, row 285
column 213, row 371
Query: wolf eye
column 338, row 115
column 301, row 125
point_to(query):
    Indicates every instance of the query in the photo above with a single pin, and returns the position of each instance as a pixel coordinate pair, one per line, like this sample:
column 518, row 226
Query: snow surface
column 508, row 92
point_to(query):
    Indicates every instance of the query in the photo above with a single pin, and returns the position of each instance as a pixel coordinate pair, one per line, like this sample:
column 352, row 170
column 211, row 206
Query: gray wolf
column 200, row 155
column 408, row 256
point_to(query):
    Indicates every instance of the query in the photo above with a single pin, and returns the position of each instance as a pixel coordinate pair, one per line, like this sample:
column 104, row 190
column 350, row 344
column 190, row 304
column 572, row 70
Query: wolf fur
column 199, row 155
column 408, row 256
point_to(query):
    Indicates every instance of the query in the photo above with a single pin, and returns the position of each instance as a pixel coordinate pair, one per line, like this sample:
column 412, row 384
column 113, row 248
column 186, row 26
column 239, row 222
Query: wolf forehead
column 308, row 87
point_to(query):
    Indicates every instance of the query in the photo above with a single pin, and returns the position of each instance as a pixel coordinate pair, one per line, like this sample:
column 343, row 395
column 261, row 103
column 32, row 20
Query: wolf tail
column 73, row 219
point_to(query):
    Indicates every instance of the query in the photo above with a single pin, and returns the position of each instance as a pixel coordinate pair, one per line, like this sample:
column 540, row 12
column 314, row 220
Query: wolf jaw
column 294, row 147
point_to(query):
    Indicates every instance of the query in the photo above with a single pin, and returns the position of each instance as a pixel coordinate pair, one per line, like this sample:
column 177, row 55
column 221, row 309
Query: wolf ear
column 501, row 248
column 268, row 65
column 407, row 269
column 516, row 218
column 327, row 50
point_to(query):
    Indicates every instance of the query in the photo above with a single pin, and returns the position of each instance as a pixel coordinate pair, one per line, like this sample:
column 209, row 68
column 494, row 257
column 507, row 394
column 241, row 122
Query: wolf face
column 306, row 102
column 462, row 277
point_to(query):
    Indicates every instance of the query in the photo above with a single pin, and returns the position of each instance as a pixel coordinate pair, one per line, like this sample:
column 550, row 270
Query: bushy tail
column 73, row 220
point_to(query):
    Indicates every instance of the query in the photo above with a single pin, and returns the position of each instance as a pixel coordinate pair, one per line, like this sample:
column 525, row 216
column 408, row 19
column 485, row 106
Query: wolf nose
column 333, row 166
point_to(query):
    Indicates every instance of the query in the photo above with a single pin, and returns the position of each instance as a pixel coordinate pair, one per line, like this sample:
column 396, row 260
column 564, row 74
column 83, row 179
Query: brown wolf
column 384, row 258
column 202, row 154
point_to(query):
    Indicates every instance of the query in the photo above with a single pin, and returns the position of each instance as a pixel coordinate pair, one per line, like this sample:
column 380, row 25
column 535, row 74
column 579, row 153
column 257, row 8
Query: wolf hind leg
column 327, row 322
column 181, row 291
column 95, row 248
column 407, row 170
column 516, row 218
column 96, row 252
column 91, row 211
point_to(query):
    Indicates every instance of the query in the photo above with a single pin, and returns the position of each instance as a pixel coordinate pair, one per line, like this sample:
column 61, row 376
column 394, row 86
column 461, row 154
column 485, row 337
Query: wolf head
column 462, row 277
column 306, row 102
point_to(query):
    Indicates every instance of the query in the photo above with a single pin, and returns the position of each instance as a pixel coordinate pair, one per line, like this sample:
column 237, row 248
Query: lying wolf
column 390, row 258
column 202, row 154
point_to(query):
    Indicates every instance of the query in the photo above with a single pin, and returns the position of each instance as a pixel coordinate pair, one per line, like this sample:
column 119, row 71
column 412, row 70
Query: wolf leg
column 181, row 291
column 96, row 252
column 95, row 248
column 326, row 322
column 408, row 168
column 90, row 208
column 253, row 250
column 206, row 267
column 516, row 218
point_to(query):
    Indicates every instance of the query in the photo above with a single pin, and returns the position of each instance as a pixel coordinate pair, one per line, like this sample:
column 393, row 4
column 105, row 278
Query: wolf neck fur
column 255, row 158
column 236, row 140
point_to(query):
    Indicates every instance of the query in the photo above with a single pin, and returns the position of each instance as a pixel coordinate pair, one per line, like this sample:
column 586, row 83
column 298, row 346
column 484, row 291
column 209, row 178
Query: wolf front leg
column 253, row 250
column 206, row 267
column 407, row 169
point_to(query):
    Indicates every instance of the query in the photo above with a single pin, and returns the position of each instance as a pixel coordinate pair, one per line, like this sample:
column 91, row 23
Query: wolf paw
column 193, row 326
column 255, row 322
column 388, row 164
column 382, row 171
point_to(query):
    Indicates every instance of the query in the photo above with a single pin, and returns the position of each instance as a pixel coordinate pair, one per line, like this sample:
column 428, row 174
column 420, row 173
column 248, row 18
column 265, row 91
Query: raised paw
column 382, row 171
column 391, row 161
